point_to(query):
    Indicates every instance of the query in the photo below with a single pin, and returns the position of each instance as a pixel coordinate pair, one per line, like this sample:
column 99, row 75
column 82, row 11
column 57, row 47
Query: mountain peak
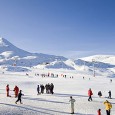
column 6, row 46
column 3, row 42
column 2, row 39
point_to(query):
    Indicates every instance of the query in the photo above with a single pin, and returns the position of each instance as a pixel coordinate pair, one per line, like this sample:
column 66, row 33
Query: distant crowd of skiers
column 45, row 75
column 50, row 75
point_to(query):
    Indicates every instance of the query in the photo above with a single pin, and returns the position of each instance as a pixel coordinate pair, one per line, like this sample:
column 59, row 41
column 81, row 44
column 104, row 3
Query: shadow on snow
column 40, row 99
column 40, row 108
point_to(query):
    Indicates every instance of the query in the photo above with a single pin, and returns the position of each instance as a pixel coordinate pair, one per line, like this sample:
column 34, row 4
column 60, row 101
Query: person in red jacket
column 16, row 91
column 99, row 112
column 90, row 94
column 7, row 90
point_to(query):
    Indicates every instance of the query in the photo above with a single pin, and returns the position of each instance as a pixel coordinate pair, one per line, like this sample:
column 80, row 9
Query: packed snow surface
column 58, row 103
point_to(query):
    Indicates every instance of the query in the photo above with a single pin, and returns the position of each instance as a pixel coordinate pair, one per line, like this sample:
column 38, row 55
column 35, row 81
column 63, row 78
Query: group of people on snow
column 47, row 75
column 108, row 107
column 16, row 91
column 49, row 88
column 107, row 104
column 51, row 75
column 100, row 94
column 90, row 93
column 40, row 90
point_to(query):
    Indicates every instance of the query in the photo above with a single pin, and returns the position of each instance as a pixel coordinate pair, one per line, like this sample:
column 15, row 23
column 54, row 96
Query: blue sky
column 72, row 28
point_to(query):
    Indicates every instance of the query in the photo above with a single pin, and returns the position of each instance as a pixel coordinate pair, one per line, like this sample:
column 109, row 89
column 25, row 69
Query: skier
column 51, row 88
column 72, row 104
column 42, row 88
column 108, row 107
column 46, row 86
column 7, row 90
column 90, row 94
column 99, row 111
column 109, row 95
column 38, row 89
column 16, row 91
column 99, row 94
column 65, row 76
column 19, row 97
column 110, row 80
column 48, row 74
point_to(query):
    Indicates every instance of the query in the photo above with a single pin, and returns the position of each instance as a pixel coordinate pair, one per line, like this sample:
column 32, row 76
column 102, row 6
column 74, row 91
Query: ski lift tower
column 93, row 61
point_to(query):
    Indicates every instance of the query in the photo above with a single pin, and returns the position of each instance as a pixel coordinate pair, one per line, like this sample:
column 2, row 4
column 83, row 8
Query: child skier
column 99, row 112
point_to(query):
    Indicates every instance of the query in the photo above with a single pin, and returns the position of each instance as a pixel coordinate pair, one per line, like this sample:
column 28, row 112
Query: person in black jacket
column 19, row 97
column 109, row 95
column 99, row 94
column 42, row 88
column 51, row 88
column 38, row 90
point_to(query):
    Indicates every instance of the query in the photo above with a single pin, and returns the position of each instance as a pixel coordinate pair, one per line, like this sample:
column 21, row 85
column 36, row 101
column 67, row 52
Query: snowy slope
column 110, row 59
column 103, row 63
column 58, row 103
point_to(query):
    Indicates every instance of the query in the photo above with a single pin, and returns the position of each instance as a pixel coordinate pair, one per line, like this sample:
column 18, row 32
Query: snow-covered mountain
column 11, row 56
column 8, row 50
column 101, row 63
column 101, row 58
